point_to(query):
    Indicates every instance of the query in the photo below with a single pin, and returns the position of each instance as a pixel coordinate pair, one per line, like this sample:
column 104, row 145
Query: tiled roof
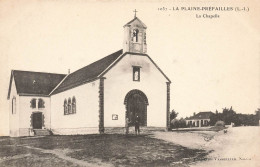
column 201, row 115
column 35, row 83
column 38, row 83
column 87, row 73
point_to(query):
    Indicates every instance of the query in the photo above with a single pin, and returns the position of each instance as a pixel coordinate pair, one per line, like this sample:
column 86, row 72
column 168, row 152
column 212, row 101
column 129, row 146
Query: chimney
column 68, row 71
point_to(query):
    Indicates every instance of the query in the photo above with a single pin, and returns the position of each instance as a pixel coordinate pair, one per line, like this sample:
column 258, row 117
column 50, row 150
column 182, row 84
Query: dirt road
column 239, row 147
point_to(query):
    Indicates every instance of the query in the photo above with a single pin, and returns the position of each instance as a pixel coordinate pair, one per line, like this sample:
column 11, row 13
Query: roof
column 37, row 83
column 135, row 19
column 96, row 70
column 88, row 73
column 34, row 83
column 201, row 115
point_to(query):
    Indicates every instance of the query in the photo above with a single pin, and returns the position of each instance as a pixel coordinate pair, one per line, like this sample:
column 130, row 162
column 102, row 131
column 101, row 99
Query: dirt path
column 14, row 157
column 193, row 139
column 62, row 154
column 238, row 148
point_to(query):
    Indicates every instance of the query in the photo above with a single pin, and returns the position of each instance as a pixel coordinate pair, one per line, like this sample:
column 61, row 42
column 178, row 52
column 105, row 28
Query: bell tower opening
column 135, row 36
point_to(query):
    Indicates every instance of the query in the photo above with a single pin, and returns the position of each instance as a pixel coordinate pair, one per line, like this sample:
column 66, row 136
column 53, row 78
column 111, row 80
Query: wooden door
column 136, row 107
column 37, row 120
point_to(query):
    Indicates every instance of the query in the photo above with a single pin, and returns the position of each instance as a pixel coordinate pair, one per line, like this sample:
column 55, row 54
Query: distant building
column 199, row 120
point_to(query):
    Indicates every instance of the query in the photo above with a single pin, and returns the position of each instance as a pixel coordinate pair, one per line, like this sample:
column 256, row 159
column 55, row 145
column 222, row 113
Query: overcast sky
column 212, row 63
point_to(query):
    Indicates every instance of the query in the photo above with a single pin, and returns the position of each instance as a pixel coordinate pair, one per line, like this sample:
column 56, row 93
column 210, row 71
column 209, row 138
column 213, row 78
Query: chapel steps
column 42, row 132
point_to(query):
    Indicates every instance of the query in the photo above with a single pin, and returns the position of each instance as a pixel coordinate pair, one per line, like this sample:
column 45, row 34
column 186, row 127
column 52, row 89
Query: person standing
column 137, row 125
column 126, row 126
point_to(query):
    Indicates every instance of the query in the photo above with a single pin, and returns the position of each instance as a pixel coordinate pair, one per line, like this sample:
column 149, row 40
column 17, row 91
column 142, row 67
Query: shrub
column 175, row 123
column 182, row 123
column 220, row 123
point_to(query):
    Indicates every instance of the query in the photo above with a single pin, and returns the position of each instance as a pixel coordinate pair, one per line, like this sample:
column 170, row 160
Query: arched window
column 33, row 103
column 144, row 38
column 65, row 107
column 69, row 105
column 135, row 35
column 14, row 105
column 41, row 103
column 73, row 105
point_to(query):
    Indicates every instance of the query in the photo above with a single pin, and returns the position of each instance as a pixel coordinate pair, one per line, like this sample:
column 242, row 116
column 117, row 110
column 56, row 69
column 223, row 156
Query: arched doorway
column 136, row 105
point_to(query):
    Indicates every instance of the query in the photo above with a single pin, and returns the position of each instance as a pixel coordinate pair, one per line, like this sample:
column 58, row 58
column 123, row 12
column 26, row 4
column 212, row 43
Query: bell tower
column 135, row 36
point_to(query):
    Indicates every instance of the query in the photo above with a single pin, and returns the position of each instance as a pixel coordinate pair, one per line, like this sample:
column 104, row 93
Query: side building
column 199, row 120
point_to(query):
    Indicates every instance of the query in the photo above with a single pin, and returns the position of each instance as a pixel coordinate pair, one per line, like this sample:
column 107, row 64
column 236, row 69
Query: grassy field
column 95, row 150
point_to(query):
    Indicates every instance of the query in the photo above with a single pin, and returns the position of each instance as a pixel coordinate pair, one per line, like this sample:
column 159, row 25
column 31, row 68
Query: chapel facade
column 124, row 84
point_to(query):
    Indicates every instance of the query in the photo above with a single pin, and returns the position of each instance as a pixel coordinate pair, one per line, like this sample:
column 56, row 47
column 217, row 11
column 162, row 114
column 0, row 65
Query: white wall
column 86, row 118
column 26, row 112
column 119, row 81
column 13, row 118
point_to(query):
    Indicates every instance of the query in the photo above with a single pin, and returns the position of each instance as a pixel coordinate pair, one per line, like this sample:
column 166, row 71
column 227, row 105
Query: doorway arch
column 136, row 105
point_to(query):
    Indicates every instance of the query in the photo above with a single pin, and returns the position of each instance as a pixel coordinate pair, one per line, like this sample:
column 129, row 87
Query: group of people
column 136, row 123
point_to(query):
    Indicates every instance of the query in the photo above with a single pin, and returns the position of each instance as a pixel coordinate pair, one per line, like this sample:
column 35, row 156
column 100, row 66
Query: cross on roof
column 135, row 12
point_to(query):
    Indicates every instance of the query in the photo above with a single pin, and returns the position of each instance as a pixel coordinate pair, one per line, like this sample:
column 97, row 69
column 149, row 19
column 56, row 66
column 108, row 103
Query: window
column 33, row 103
column 73, row 105
column 136, row 73
column 70, row 106
column 65, row 107
column 135, row 35
column 14, row 105
column 40, row 103
column 144, row 38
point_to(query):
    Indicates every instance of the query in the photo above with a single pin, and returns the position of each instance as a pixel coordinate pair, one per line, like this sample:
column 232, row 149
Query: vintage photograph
column 122, row 83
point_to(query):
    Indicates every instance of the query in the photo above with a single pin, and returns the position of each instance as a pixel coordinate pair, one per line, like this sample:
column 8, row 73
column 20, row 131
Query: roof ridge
column 88, row 72
column 96, row 61
column 58, row 84
column 38, row 72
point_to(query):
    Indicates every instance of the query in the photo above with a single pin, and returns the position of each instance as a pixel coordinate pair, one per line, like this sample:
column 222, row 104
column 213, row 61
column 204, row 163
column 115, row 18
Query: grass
column 115, row 149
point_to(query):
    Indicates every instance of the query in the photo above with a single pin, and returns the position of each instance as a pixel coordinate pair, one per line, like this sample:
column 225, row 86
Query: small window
column 41, row 103
column 136, row 73
column 65, row 107
column 73, row 105
column 14, row 105
column 33, row 103
column 69, row 106
column 135, row 35
column 144, row 38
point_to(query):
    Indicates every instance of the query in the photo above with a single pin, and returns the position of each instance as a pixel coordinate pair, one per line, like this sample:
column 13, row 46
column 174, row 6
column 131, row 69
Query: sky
column 212, row 63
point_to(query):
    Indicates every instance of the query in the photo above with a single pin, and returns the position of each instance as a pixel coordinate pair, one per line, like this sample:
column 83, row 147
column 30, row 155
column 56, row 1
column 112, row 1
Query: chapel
column 95, row 98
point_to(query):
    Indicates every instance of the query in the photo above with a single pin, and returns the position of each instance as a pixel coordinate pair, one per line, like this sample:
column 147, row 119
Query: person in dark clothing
column 137, row 125
column 127, row 126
